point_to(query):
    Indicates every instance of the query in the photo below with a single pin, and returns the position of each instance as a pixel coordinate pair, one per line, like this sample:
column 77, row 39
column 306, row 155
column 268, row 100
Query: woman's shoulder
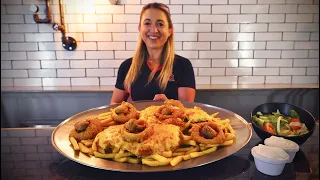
column 126, row 63
column 180, row 61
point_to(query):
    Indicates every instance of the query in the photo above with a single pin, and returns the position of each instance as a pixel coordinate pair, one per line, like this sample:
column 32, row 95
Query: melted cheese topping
column 165, row 137
column 196, row 114
column 148, row 114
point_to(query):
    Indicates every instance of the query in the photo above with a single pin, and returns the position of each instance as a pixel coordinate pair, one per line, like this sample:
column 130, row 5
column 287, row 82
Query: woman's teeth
column 153, row 37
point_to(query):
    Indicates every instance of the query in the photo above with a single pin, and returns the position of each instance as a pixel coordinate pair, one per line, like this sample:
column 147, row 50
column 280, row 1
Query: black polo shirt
column 183, row 76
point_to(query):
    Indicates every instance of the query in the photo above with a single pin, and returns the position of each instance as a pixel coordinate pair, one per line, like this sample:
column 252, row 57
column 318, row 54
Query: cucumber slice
column 278, row 124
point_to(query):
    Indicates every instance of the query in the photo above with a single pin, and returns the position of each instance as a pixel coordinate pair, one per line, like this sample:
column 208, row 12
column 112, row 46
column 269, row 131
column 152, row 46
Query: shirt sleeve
column 187, row 77
column 122, row 72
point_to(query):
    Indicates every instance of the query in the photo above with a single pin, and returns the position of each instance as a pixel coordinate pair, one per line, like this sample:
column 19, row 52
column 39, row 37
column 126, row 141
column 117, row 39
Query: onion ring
column 86, row 129
column 124, row 112
column 207, row 133
column 174, row 103
column 169, row 111
column 136, row 131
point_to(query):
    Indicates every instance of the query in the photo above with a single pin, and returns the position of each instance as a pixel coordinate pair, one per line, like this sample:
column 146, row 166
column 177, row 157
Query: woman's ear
column 139, row 27
column 171, row 31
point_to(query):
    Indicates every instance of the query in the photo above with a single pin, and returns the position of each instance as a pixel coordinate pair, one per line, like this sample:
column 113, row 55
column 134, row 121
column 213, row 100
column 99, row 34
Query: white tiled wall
column 227, row 41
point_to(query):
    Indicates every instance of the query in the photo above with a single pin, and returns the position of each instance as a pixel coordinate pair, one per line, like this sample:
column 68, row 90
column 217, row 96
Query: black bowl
column 284, row 108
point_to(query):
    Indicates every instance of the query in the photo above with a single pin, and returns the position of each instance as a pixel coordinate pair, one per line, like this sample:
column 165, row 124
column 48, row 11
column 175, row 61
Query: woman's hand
column 162, row 97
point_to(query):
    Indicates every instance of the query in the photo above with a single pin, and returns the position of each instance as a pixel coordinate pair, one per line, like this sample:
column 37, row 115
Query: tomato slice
column 295, row 120
column 295, row 124
column 269, row 128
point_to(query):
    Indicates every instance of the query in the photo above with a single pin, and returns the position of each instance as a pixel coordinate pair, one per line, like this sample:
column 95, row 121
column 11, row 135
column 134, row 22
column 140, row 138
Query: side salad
column 279, row 124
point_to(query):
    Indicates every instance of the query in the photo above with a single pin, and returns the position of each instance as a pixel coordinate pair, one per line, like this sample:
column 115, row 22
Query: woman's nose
column 154, row 28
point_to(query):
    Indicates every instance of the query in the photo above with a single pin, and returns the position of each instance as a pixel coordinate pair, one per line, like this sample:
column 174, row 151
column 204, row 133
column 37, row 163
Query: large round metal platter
column 60, row 140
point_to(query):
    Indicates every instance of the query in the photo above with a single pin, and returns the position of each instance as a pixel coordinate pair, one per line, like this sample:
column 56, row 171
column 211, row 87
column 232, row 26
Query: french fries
column 186, row 157
column 87, row 143
column 176, row 160
column 74, row 143
column 115, row 150
column 94, row 146
column 215, row 114
column 227, row 143
column 195, row 149
column 133, row 160
column 155, row 160
column 157, row 157
column 122, row 154
column 201, row 153
column 84, row 148
column 190, row 142
column 229, row 136
column 100, row 150
column 123, row 159
column 104, row 156
column 153, row 163
column 178, row 154
column 231, row 129
column 167, row 154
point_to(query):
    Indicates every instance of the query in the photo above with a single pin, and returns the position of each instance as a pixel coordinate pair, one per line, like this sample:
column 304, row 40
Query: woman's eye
column 160, row 24
column 147, row 23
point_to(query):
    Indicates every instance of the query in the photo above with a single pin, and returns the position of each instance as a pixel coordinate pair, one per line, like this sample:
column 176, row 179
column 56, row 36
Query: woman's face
column 154, row 28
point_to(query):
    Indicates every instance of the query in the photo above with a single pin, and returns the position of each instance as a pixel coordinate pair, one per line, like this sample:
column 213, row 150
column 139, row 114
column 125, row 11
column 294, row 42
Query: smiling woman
column 155, row 72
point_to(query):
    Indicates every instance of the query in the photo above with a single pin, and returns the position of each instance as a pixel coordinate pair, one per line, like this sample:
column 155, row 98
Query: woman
column 155, row 72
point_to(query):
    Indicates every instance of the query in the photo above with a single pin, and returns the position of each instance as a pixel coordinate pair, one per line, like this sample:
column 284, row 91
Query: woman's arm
column 186, row 82
column 119, row 93
column 186, row 94
column 118, row 96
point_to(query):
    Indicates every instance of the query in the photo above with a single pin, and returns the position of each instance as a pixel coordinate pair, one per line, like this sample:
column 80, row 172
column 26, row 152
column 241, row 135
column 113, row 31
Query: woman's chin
column 154, row 46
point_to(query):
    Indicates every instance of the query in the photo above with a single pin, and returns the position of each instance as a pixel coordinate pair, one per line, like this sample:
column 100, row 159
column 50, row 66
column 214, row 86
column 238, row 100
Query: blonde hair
column 141, row 54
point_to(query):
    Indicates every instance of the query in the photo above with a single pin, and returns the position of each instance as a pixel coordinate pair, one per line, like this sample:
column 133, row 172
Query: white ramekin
column 272, row 167
column 275, row 143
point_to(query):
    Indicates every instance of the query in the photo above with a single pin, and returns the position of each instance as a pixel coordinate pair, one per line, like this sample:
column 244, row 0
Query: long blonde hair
column 141, row 54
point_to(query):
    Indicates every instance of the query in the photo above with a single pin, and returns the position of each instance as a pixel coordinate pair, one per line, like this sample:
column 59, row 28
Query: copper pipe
column 47, row 19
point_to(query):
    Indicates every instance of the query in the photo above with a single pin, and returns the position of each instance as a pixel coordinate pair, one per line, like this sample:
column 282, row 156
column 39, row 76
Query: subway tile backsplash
column 227, row 41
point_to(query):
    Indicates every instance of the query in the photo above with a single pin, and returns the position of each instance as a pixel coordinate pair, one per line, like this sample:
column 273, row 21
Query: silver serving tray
column 60, row 140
